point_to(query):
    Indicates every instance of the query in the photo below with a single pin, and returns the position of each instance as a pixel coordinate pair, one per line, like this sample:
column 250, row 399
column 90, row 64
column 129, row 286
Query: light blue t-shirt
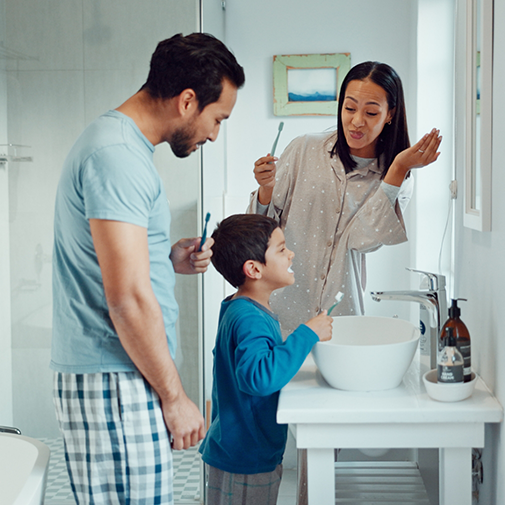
column 108, row 174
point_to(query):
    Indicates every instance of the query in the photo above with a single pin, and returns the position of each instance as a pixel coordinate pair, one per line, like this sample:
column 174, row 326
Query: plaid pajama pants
column 117, row 447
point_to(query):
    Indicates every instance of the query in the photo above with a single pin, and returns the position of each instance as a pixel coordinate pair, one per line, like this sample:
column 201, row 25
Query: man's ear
column 252, row 269
column 187, row 102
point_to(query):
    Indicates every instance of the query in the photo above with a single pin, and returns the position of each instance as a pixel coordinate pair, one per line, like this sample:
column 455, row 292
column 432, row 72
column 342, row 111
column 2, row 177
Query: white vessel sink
column 367, row 353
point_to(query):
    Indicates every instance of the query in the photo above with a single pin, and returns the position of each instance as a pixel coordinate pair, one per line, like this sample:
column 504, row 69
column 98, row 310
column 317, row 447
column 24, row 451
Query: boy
column 244, row 446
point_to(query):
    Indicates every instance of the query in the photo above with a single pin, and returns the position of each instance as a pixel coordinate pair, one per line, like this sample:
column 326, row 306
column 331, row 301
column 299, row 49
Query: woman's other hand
column 264, row 172
column 419, row 155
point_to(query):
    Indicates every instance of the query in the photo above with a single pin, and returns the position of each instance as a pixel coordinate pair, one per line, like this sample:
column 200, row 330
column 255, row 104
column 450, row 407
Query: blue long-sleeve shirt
column 251, row 365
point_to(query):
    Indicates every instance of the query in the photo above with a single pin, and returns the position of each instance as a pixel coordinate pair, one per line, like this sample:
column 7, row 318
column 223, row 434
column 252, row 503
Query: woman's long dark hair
column 394, row 137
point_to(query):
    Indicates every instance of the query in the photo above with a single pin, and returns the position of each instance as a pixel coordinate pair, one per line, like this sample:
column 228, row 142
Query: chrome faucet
column 432, row 313
column 10, row 429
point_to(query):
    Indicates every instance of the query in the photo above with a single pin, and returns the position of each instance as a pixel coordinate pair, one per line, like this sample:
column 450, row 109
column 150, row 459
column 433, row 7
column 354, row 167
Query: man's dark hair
column 197, row 61
column 240, row 238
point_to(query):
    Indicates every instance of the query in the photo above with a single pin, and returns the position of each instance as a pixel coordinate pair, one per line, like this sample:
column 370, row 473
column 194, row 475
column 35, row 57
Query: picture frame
column 308, row 84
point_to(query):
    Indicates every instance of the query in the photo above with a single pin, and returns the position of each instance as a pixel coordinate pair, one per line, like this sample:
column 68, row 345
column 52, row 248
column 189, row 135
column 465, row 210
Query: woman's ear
column 391, row 115
column 252, row 269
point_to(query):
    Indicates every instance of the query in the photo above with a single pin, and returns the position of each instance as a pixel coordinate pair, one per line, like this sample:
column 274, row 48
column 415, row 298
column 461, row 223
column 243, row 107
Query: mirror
column 478, row 129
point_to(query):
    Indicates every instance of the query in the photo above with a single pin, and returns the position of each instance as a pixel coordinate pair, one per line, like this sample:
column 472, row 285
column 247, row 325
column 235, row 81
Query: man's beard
column 182, row 141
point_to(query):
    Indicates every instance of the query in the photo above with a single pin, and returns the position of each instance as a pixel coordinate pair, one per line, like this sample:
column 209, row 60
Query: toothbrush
column 338, row 297
column 281, row 126
column 204, row 234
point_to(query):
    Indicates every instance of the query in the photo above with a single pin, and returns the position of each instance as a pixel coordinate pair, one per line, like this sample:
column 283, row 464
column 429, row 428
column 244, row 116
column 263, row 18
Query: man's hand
column 187, row 259
column 184, row 421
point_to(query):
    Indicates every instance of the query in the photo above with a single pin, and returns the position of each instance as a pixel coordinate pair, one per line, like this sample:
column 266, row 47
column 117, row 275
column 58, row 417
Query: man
column 119, row 400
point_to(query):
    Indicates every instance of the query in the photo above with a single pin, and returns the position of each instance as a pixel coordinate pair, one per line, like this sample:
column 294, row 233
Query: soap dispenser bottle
column 450, row 361
column 461, row 334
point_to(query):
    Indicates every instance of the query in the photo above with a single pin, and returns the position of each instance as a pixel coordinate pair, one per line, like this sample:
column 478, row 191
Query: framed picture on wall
column 308, row 84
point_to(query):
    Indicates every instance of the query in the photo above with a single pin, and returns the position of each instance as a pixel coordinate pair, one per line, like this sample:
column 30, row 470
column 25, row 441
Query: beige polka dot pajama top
column 331, row 220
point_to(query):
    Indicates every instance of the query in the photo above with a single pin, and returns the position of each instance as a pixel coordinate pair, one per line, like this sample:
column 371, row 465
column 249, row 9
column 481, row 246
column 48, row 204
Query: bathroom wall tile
column 108, row 89
column 50, row 33
column 50, row 102
column 3, row 103
column 5, row 316
column 45, row 112
column 4, row 261
column 32, row 393
column 34, row 330
column 180, row 177
column 186, row 293
column 6, row 386
column 121, row 34
column 30, row 291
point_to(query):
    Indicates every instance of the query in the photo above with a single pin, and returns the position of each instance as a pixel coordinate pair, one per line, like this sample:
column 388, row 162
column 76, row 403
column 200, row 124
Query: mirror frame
column 478, row 217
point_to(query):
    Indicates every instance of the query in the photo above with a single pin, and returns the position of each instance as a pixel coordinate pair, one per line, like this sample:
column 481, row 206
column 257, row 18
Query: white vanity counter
column 326, row 418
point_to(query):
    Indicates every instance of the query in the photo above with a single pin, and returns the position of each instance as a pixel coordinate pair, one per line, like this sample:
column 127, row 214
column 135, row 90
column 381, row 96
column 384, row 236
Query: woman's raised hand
column 264, row 172
column 419, row 155
column 423, row 152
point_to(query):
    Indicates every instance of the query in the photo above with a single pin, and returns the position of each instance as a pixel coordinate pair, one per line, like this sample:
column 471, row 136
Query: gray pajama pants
column 225, row 488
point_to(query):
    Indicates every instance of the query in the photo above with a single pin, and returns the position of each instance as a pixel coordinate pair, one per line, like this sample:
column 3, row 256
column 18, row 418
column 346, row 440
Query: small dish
column 448, row 392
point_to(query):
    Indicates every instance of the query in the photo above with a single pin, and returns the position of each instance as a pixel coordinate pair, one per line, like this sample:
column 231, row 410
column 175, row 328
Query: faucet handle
column 437, row 281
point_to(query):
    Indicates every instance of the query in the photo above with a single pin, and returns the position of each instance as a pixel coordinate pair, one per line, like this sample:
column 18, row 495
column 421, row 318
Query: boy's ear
column 252, row 269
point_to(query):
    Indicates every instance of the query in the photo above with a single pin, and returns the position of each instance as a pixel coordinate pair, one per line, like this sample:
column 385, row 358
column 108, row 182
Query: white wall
column 480, row 277
column 435, row 107
column 256, row 31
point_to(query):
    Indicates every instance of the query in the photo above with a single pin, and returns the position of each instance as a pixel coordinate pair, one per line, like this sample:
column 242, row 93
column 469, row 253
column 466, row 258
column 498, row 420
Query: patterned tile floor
column 58, row 485
column 186, row 476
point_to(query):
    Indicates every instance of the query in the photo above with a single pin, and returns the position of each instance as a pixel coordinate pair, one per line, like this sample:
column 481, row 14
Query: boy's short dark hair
column 240, row 238
column 197, row 61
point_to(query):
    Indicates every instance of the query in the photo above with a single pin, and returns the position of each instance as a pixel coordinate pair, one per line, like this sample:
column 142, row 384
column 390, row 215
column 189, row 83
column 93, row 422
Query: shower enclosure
column 62, row 64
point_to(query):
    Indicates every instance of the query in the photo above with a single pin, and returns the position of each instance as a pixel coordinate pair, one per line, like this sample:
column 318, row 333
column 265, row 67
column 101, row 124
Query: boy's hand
column 321, row 325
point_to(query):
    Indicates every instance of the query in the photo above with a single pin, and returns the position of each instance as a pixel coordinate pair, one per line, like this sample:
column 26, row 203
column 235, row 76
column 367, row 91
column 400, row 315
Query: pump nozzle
column 454, row 310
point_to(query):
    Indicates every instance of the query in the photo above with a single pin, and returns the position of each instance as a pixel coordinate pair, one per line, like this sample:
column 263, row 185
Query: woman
column 338, row 196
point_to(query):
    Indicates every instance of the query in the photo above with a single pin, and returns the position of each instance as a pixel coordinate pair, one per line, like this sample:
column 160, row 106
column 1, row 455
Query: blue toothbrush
column 204, row 234
column 281, row 126
column 338, row 297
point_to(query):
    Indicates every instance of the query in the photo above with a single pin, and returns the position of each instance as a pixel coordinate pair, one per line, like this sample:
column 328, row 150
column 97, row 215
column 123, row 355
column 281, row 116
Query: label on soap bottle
column 449, row 374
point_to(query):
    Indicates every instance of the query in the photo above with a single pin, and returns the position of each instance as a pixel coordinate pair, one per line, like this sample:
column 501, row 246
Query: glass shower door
column 62, row 64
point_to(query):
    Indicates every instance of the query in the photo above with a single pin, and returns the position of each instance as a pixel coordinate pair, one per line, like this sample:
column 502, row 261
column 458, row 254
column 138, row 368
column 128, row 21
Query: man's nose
column 215, row 132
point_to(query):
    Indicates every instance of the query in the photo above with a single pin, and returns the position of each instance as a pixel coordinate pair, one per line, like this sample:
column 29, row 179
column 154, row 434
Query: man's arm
column 123, row 256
